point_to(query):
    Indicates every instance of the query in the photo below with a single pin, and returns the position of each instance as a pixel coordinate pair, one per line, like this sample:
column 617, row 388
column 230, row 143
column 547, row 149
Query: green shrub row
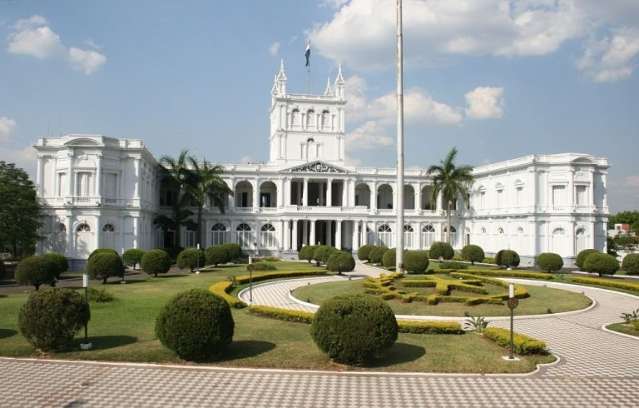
column 520, row 291
column 221, row 254
column 501, row 273
column 611, row 283
column 282, row 314
column 522, row 344
column 261, row 266
column 222, row 290
column 429, row 327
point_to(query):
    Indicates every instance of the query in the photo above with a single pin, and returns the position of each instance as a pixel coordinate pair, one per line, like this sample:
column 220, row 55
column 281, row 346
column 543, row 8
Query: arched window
column 244, row 236
column 520, row 230
column 243, row 227
column 61, row 228
column 108, row 228
column 408, row 228
column 310, row 118
column 500, row 230
column 84, row 227
column 325, row 120
column 385, row 235
column 218, row 234
column 384, row 228
column 268, row 227
column 408, row 236
column 483, row 230
column 428, row 228
column 267, row 237
column 218, row 227
column 499, row 198
column 452, row 229
column 295, row 118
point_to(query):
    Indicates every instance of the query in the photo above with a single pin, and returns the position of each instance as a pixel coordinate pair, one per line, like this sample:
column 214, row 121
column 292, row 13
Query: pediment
column 82, row 142
column 315, row 167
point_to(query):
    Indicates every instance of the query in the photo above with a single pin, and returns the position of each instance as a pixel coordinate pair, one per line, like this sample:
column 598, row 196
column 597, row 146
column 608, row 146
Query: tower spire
column 280, row 79
column 329, row 90
column 339, row 83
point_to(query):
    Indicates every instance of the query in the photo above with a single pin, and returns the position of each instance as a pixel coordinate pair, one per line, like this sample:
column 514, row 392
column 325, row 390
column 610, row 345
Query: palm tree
column 451, row 181
column 207, row 185
column 178, row 177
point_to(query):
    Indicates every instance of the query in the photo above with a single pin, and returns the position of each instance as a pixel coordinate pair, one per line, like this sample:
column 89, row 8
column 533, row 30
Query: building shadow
column 398, row 354
column 4, row 333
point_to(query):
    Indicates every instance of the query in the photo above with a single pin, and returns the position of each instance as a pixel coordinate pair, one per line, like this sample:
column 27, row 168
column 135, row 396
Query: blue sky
column 496, row 78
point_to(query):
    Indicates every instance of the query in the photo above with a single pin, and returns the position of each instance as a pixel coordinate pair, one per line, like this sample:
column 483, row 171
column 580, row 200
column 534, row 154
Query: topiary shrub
column 452, row 265
column 416, row 261
column 363, row 251
column 389, row 259
column 354, row 329
column 602, row 264
column 191, row 258
column 441, row 250
column 156, row 261
column 549, row 262
column 631, row 264
column 103, row 251
column 216, row 255
column 132, row 257
column 507, row 258
column 322, row 253
column 376, row 255
column 35, row 270
column 306, row 253
column 58, row 262
column 196, row 325
column 340, row 261
column 261, row 266
column 99, row 295
column 233, row 252
column 582, row 255
column 103, row 265
column 50, row 318
column 472, row 254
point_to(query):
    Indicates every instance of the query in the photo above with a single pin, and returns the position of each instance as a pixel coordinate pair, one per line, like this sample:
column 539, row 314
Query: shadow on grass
column 246, row 348
column 4, row 333
column 400, row 353
column 107, row 342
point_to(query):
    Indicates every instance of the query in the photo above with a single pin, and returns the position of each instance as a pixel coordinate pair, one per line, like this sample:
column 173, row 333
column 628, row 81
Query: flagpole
column 399, row 258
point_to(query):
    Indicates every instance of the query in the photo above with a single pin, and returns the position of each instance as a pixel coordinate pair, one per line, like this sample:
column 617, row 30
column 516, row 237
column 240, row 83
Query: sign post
column 512, row 304
column 250, row 269
column 197, row 262
column 86, row 345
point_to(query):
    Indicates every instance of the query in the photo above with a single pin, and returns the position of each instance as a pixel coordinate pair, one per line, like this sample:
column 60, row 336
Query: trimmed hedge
column 501, row 273
column 611, row 283
column 376, row 255
column 363, row 251
column 582, row 255
column 58, row 261
column 36, row 271
column 132, row 257
column 156, row 261
column 306, row 253
column 104, row 265
column 243, row 279
column 454, row 265
column 602, row 264
column 216, row 255
column 322, row 253
column 441, row 250
column 389, row 259
column 507, row 258
column 416, row 261
column 103, row 251
column 50, row 318
column 473, row 253
column 191, row 258
column 261, row 266
column 222, row 289
column 233, row 252
column 549, row 262
column 522, row 344
column 429, row 327
column 354, row 329
column 340, row 261
column 196, row 325
column 631, row 264
column 282, row 314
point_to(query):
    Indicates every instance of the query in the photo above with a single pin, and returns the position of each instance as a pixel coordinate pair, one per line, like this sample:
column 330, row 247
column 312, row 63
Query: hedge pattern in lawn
column 376, row 255
column 196, row 325
column 216, row 255
column 59, row 263
column 522, row 344
column 363, row 251
column 631, row 264
column 416, row 262
column 549, row 262
column 507, row 258
column 35, row 271
column 340, row 261
column 582, row 255
column 389, row 258
column 602, row 264
column 473, row 253
column 104, row 265
column 50, row 318
column 441, row 250
column 307, row 252
column 156, row 261
column 354, row 329
column 191, row 258
column 322, row 253
column 132, row 257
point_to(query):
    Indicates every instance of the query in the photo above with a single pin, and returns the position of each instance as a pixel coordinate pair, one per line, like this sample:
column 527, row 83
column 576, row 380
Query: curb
column 606, row 329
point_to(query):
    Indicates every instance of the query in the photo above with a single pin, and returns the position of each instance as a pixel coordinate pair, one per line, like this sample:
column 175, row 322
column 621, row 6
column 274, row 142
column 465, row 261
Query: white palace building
column 101, row 192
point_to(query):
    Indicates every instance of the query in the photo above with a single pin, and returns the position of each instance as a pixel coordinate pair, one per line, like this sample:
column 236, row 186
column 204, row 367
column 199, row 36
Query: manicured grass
column 123, row 330
column 541, row 299
column 624, row 328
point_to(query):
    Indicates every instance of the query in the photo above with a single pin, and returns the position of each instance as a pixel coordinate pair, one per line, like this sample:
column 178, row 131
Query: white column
column 71, row 189
column 283, row 234
column 286, row 193
column 373, row 188
column 256, row 194
column 39, row 178
column 305, row 193
column 312, row 237
column 294, row 236
column 329, row 233
column 355, row 242
column 364, row 238
column 98, row 176
column 440, row 204
column 305, row 232
column 338, row 234
column 349, row 193
column 418, row 241
column 136, row 191
column 329, row 192
column 418, row 196
column 280, row 193
column 98, row 232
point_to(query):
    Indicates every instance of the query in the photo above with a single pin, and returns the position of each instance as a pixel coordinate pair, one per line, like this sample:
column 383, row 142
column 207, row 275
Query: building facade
column 105, row 192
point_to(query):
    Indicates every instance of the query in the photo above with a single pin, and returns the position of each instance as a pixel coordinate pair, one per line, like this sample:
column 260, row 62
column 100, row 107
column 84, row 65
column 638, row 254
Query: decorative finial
column 282, row 74
column 339, row 78
column 328, row 91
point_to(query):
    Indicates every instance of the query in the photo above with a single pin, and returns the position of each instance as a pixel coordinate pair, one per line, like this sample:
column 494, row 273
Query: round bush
column 58, row 262
column 363, row 251
column 216, row 255
column 191, row 258
column 631, row 264
column 103, row 251
column 35, row 270
column 340, row 261
column 103, row 265
column 233, row 252
column 416, row 261
column 261, row 266
column 602, row 264
column 354, row 329
column 582, row 255
column 51, row 318
column 549, row 262
column 322, row 253
column 195, row 324
column 389, row 259
column 156, row 261
column 507, row 258
column 473, row 253
column 441, row 250
column 306, row 253
column 132, row 257
column 376, row 255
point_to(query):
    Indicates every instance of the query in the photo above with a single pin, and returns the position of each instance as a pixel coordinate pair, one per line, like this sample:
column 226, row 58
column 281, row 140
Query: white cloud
column 274, row 49
column 631, row 181
column 370, row 135
column 34, row 37
column 24, row 158
column 611, row 58
column 485, row 103
column 87, row 61
column 418, row 108
column 7, row 126
column 246, row 159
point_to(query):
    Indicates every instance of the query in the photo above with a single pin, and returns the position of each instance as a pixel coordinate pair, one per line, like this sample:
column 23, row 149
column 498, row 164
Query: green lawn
column 624, row 328
column 541, row 299
column 123, row 330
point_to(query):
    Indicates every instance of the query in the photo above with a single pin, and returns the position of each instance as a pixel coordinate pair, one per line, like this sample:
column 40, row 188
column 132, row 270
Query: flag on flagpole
column 307, row 53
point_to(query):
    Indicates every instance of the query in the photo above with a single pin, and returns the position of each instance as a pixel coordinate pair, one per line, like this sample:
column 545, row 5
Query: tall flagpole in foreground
column 399, row 227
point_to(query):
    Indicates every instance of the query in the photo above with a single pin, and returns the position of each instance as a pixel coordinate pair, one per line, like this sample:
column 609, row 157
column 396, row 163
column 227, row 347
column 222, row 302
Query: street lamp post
column 399, row 190
column 197, row 261
column 512, row 304
column 86, row 345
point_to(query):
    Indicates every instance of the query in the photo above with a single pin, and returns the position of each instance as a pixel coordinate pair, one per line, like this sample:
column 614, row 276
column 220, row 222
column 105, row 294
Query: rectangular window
column 482, row 200
column 110, row 185
column 84, row 187
column 500, row 196
column 60, row 186
column 558, row 196
column 582, row 195
column 518, row 196
column 244, row 199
